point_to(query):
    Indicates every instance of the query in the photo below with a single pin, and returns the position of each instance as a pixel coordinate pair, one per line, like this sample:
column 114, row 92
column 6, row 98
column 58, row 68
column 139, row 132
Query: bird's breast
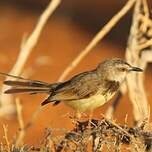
column 90, row 103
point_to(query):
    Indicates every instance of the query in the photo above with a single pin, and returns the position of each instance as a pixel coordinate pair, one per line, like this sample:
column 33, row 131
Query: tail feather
column 26, row 83
column 13, row 76
column 23, row 82
column 33, row 87
column 22, row 85
column 24, row 90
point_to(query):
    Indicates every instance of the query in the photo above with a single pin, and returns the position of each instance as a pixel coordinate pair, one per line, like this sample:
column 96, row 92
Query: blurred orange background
column 67, row 32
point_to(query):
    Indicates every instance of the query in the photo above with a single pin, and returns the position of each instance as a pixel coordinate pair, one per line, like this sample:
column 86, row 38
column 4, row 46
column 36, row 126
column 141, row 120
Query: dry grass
column 100, row 135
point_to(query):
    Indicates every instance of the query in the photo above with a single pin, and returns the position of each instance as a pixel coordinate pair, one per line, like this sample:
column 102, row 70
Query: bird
column 85, row 91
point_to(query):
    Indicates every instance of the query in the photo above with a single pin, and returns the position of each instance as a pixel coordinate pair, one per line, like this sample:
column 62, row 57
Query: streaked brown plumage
column 85, row 91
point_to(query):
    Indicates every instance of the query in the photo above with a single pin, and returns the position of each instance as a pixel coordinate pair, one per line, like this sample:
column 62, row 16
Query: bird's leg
column 104, row 116
column 90, row 119
column 76, row 117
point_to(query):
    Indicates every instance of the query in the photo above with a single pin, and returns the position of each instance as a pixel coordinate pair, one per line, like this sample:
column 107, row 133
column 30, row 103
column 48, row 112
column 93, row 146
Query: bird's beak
column 136, row 69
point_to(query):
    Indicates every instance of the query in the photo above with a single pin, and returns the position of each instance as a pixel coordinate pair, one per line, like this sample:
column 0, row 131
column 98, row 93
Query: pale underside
column 89, row 104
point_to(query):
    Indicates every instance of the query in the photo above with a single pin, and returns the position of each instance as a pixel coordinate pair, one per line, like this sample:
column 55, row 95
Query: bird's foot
column 76, row 118
column 90, row 120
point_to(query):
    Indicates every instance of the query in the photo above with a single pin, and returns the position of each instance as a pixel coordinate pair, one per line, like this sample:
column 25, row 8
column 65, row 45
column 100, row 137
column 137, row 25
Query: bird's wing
column 79, row 87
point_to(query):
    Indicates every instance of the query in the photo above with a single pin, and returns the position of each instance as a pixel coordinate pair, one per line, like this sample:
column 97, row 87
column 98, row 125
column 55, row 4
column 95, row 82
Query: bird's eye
column 122, row 69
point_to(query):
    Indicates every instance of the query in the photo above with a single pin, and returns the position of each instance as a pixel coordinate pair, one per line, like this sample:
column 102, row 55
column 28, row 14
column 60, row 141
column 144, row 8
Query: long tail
column 22, row 85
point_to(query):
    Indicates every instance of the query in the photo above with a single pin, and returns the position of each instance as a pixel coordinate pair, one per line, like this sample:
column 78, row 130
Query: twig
column 25, row 51
column 145, row 45
column 97, row 38
column 21, row 133
column 134, row 53
column 30, row 43
column 6, row 137
column 147, row 56
column 109, row 132
column 139, row 53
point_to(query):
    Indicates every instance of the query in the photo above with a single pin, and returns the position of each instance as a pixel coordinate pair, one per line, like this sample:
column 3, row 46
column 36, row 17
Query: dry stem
column 97, row 38
column 26, row 49
column 135, row 51
column 138, row 53
column 107, row 133
column 21, row 133
column 6, row 137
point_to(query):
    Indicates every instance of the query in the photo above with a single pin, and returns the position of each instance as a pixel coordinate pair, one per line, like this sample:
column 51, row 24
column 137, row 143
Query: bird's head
column 116, row 69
